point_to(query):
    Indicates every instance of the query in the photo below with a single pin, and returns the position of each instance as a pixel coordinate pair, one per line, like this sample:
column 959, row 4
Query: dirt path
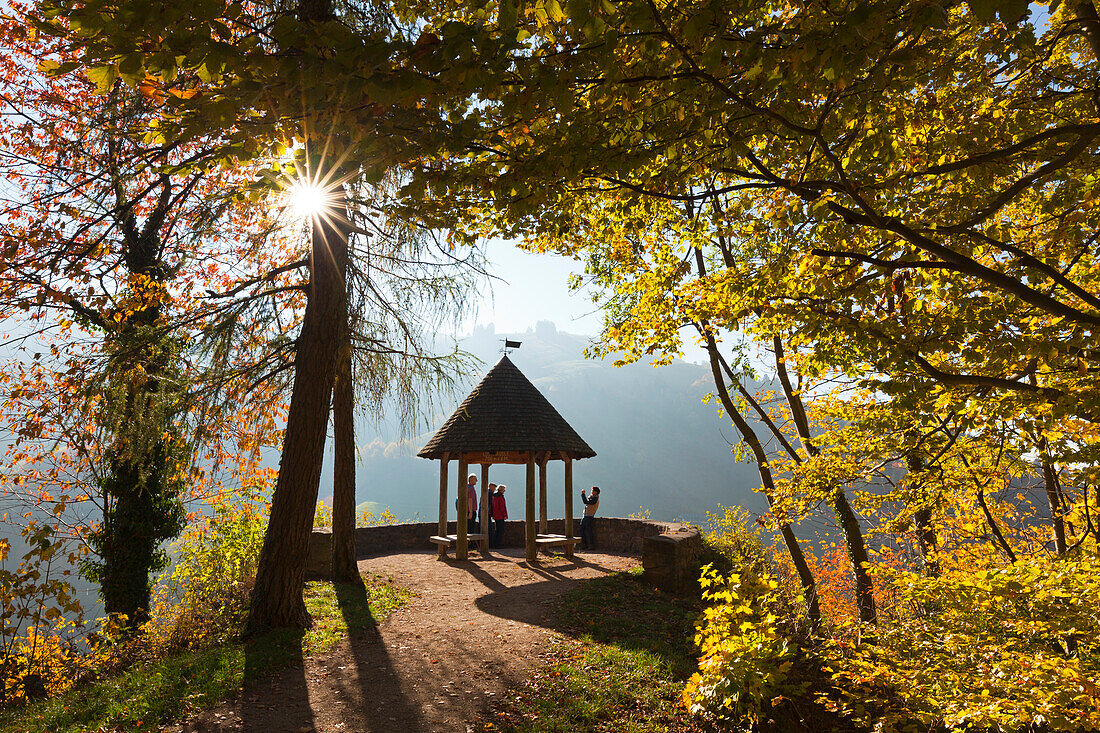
column 475, row 630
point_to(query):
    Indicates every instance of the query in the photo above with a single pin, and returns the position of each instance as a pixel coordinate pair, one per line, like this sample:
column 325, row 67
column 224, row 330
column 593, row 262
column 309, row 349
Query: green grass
column 169, row 689
column 623, row 672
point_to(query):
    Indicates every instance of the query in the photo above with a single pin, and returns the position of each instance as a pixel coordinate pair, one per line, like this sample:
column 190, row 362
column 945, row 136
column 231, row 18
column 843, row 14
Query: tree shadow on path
column 353, row 687
column 283, row 650
column 619, row 609
column 371, row 696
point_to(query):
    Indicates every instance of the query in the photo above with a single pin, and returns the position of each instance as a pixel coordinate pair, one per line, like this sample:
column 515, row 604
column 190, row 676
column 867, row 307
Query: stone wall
column 670, row 560
column 612, row 534
column 319, row 559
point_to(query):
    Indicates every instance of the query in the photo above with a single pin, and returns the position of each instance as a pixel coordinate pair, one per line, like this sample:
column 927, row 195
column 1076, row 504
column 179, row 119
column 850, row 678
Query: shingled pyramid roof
column 506, row 413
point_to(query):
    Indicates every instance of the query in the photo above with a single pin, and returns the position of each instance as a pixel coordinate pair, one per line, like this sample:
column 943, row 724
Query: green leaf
column 983, row 10
column 102, row 76
column 554, row 11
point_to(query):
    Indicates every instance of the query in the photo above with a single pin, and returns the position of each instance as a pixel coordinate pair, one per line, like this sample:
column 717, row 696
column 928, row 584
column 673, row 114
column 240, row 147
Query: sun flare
column 307, row 199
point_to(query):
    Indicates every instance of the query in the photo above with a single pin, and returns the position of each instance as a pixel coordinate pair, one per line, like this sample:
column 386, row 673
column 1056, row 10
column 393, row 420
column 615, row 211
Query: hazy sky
column 532, row 288
column 535, row 287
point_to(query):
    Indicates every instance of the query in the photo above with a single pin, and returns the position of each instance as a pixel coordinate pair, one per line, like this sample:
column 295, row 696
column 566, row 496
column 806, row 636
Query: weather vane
column 509, row 344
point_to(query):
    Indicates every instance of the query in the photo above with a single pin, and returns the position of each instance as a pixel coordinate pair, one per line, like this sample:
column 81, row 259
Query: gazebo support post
column 485, row 507
column 568, row 505
column 462, row 546
column 542, row 493
column 532, row 549
column 443, row 502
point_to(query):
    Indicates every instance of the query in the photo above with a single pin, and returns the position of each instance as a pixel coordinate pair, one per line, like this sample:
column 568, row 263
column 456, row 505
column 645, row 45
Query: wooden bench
column 451, row 540
column 556, row 540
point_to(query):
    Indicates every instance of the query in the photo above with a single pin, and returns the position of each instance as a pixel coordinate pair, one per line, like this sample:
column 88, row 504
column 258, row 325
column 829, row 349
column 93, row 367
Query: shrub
column 203, row 598
column 40, row 618
column 370, row 519
column 733, row 541
column 997, row 649
column 322, row 515
column 745, row 655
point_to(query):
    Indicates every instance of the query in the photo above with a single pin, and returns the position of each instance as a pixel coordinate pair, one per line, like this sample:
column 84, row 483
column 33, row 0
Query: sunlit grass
column 623, row 673
column 161, row 691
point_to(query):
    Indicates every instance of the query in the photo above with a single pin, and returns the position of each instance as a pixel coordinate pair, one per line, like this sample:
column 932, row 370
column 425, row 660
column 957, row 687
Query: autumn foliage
column 884, row 212
column 887, row 213
column 129, row 380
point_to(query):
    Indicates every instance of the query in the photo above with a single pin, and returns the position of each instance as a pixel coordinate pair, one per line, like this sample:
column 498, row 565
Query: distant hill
column 658, row 446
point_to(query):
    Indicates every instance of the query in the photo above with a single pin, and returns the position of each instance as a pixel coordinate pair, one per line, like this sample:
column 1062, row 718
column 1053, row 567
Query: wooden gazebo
column 505, row 420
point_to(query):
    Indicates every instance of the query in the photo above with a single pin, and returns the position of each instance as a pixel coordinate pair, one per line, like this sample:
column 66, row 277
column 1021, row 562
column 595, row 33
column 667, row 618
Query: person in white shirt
column 591, row 504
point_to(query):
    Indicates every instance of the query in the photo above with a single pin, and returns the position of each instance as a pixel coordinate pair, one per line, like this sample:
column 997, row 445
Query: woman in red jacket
column 498, row 513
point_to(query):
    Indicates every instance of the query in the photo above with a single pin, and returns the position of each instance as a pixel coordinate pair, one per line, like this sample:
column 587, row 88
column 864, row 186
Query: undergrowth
column 154, row 692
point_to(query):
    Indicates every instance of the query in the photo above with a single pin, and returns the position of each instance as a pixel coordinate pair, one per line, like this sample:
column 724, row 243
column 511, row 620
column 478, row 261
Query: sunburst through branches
column 312, row 198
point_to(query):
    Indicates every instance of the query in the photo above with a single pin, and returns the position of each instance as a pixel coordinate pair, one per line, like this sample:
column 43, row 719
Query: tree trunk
column 997, row 535
column 849, row 523
column 1050, row 485
column 142, row 506
column 1086, row 14
column 344, row 567
column 277, row 596
column 922, row 522
column 857, row 556
column 1054, row 501
column 805, row 576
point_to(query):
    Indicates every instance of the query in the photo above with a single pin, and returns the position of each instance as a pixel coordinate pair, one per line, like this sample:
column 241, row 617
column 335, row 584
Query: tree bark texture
column 993, row 528
column 142, row 506
column 1086, row 13
column 276, row 600
column 922, row 521
column 857, row 557
column 1054, row 502
column 344, row 566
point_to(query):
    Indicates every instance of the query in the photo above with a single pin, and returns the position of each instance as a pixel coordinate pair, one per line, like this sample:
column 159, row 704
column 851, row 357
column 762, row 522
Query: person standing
column 499, row 514
column 487, row 509
column 471, row 502
column 591, row 504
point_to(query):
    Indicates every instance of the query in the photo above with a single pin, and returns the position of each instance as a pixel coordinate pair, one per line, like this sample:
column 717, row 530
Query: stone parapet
column 319, row 559
column 670, row 560
column 612, row 534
